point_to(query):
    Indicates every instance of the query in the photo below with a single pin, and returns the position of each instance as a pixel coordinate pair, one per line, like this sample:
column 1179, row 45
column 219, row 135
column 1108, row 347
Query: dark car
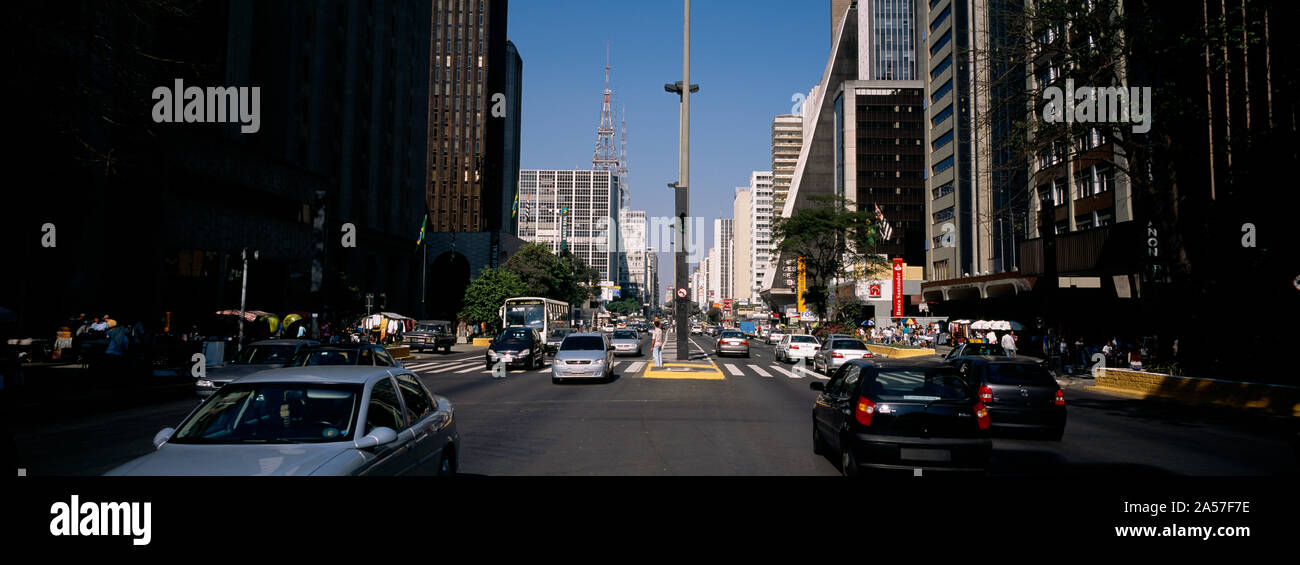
column 968, row 348
column 362, row 354
column 1019, row 393
column 431, row 334
column 517, row 345
column 901, row 414
column 257, row 356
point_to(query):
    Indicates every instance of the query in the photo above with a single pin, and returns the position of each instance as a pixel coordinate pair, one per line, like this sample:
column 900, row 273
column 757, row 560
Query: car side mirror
column 162, row 436
column 817, row 386
column 382, row 435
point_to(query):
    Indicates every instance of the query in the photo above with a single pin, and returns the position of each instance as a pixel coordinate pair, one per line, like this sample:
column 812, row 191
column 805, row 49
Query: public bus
column 544, row 314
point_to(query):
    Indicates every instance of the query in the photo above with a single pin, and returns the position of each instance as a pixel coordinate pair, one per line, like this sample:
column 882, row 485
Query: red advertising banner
column 898, row 288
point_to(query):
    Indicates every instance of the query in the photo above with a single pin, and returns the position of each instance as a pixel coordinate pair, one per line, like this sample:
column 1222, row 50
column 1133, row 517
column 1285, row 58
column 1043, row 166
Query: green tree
column 624, row 306
column 832, row 235
column 715, row 315
column 560, row 277
column 485, row 295
column 586, row 279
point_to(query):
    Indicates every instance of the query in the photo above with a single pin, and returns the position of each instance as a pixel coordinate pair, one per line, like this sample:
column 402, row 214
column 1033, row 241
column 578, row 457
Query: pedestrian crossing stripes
column 475, row 366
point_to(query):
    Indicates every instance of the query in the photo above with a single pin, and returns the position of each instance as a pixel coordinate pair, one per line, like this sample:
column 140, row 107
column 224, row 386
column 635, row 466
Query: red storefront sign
column 898, row 288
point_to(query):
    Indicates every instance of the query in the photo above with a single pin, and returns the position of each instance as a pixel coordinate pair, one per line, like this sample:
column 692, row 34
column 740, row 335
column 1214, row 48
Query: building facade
column 760, row 221
column 722, row 273
column 787, row 141
column 632, row 225
column 574, row 208
column 742, row 246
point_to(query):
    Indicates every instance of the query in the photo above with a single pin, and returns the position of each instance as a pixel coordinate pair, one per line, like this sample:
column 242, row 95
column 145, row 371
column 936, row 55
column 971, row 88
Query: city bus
column 544, row 314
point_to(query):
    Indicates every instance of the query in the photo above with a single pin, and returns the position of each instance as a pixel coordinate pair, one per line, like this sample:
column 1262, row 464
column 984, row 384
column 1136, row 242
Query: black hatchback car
column 901, row 414
column 1020, row 394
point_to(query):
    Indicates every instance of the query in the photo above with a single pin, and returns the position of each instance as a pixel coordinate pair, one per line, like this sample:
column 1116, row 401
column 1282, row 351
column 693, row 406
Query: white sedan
column 797, row 346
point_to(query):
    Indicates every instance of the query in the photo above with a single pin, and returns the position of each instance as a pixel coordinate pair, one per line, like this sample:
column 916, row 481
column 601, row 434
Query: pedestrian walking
column 1009, row 343
column 1134, row 359
column 657, row 343
column 1081, row 349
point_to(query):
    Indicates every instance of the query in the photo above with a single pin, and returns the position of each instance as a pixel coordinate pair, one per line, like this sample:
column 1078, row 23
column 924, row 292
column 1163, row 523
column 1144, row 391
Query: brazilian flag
column 514, row 209
column 420, row 240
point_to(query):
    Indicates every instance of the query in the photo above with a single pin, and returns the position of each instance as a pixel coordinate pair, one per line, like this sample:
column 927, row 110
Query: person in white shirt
column 1009, row 343
column 991, row 337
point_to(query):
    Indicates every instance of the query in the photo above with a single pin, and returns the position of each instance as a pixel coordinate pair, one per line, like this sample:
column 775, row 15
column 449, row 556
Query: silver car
column 839, row 348
column 256, row 357
column 583, row 356
column 626, row 341
column 322, row 420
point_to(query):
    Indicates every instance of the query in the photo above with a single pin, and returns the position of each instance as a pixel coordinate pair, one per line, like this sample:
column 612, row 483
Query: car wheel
column 848, row 463
column 489, row 366
column 556, row 381
column 447, row 463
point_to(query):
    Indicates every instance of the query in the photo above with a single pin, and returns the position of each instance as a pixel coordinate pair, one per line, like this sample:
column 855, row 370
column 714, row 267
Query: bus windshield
column 531, row 315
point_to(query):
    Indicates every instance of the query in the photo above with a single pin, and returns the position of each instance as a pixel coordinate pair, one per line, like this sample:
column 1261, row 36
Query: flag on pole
column 514, row 209
column 886, row 232
column 423, row 225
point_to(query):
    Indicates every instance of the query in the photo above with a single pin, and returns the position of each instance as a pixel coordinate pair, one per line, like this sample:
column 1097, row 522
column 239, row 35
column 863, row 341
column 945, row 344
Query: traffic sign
column 681, row 293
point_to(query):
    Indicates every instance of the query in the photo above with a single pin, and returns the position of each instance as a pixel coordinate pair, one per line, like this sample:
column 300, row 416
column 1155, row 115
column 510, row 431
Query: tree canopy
column 485, row 295
column 832, row 235
column 545, row 274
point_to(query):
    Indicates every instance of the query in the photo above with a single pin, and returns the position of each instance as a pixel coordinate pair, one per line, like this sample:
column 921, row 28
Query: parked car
column 839, row 350
column 554, row 340
column 775, row 336
column 583, row 356
column 317, row 420
column 797, row 346
column 517, row 346
column 431, row 334
column 1019, row 393
column 626, row 341
column 364, row 354
column 731, row 342
column 900, row 414
column 257, row 356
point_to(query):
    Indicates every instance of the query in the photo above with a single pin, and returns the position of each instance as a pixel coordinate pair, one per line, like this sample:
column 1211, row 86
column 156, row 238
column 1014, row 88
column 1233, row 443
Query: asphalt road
column 755, row 421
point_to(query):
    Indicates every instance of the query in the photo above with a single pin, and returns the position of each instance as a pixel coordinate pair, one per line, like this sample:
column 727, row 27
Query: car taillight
column 982, row 415
column 865, row 409
column 1060, row 397
column 837, row 355
column 986, row 393
column 745, row 342
column 794, row 347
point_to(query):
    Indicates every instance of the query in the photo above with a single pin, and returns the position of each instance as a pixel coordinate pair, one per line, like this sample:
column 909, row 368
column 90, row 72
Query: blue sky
column 749, row 58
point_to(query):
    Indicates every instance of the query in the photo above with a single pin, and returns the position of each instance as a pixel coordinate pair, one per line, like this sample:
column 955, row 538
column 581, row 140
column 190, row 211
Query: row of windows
column 942, row 90
column 942, row 115
column 942, row 140
column 889, row 125
column 947, row 11
column 942, row 66
column 942, row 191
column 943, row 165
column 944, row 214
column 943, row 40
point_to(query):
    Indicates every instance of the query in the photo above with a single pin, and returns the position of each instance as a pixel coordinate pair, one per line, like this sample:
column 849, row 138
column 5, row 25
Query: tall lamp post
column 243, row 297
column 682, row 187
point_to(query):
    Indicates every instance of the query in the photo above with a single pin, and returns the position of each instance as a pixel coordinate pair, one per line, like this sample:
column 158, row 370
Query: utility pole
column 682, row 187
column 243, row 298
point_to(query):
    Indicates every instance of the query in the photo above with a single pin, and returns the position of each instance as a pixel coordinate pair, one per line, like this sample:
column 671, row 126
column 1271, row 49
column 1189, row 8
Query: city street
column 753, row 421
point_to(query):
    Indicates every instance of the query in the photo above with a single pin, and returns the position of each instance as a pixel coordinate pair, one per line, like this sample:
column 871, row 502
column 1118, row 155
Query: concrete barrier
column 898, row 352
column 399, row 352
column 1277, row 399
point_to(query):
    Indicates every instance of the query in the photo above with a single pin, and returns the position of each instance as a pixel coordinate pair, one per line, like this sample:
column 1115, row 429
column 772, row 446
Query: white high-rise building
column 742, row 256
column 632, row 223
column 760, row 230
column 787, row 141
column 580, row 204
column 723, row 232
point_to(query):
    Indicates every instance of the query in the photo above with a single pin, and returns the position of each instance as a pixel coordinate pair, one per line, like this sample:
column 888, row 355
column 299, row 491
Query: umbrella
column 250, row 315
column 1004, row 325
column 959, row 322
column 291, row 319
column 272, row 322
column 980, row 325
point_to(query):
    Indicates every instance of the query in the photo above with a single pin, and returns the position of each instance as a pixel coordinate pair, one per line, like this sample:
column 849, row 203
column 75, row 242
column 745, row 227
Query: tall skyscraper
column 787, row 141
column 632, row 224
column 509, row 175
column 742, row 279
column 573, row 208
column 760, row 221
column 720, row 283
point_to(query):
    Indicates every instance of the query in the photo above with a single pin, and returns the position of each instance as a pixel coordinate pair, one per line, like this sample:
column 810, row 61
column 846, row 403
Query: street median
column 898, row 352
column 1276, row 399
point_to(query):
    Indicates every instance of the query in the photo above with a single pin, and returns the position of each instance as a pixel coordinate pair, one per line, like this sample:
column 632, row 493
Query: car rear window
column 625, row 334
column 1019, row 374
column 582, row 343
column 803, row 339
column 847, row 344
column 732, row 334
column 904, row 384
column 984, row 349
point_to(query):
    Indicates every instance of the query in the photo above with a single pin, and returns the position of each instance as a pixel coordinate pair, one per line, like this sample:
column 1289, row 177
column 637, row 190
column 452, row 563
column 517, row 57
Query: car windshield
column 265, row 354
column 246, row 413
column 984, row 349
column 625, row 334
column 582, row 343
column 515, row 334
column 847, row 344
column 431, row 328
column 315, row 357
column 918, row 384
column 1019, row 374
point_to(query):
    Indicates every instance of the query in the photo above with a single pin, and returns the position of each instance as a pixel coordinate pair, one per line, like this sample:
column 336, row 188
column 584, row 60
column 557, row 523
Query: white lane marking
column 472, row 367
column 760, row 371
column 785, row 372
column 448, row 368
column 636, row 367
column 734, row 370
column 418, row 366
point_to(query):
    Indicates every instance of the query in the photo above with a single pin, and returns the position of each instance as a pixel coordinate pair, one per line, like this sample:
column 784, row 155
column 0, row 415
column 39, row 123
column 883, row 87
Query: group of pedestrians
column 904, row 334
